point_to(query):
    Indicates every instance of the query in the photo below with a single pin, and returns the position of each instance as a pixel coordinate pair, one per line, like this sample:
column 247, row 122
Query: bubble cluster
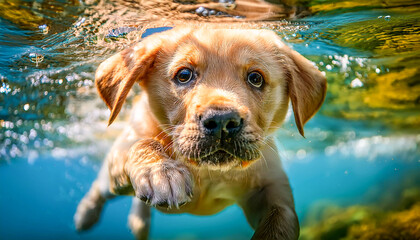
column 5, row 88
column 387, row 17
column 120, row 32
column 206, row 12
column 378, row 147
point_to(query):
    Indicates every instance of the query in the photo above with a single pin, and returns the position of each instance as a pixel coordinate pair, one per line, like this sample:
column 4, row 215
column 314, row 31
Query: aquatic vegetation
column 29, row 15
column 388, row 85
column 368, row 222
column 349, row 5
column 391, row 98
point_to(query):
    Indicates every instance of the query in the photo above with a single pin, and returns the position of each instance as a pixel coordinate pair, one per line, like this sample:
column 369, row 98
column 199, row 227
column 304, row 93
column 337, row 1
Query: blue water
column 38, row 200
column 41, row 199
column 53, row 133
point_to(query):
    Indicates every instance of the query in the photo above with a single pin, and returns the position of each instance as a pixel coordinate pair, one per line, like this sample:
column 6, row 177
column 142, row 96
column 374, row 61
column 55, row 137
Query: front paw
column 164, row 183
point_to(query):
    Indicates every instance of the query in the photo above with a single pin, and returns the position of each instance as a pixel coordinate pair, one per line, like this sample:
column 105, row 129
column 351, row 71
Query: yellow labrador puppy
column 200, row 137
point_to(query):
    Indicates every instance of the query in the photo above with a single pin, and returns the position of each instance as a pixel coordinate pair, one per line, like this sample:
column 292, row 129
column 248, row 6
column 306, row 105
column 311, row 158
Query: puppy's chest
column 215, row 191
column 219, row 188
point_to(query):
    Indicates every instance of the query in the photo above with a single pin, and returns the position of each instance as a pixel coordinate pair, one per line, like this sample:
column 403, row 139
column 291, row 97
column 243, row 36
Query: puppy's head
column 219, row 93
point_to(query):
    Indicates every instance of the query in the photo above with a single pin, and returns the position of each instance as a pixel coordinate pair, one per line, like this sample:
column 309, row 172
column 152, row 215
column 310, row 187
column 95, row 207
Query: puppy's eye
column 184, row 75
column 255, row 79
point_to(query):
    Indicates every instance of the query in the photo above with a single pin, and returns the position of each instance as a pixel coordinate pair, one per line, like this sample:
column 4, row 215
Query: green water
column 362, row 148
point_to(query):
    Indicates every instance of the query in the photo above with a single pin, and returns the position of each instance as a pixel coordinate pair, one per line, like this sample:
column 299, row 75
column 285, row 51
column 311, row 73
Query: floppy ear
column 307, row 88
column 115, row 77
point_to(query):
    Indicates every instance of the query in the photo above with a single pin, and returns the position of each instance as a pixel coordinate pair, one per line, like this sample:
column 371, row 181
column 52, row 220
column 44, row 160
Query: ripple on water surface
column 367, row 79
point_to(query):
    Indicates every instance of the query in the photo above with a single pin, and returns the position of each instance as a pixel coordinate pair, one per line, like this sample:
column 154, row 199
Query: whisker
column 265, row 160
column 268, row 145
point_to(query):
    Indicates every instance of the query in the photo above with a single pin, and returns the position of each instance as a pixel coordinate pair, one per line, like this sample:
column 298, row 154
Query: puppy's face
column 217, row 93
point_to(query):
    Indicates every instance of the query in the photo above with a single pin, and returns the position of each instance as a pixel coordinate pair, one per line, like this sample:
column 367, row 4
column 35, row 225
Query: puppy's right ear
column 115, row 77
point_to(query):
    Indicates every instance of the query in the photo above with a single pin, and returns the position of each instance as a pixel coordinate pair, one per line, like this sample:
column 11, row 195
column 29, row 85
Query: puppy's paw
column 166, row 183
column 89, row 210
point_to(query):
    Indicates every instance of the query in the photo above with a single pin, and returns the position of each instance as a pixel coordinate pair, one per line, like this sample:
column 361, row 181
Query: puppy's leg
column 90, row 207
column 139, row 219
column 271, row 214
column 156, row 178
column 270, row 210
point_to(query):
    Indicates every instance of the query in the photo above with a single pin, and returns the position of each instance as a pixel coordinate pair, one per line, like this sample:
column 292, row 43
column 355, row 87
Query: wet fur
column 160, row 155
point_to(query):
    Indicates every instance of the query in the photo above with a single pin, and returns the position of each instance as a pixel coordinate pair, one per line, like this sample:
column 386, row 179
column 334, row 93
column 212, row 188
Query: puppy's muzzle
column 220, row 129
column 219, row 137
column 221, row 125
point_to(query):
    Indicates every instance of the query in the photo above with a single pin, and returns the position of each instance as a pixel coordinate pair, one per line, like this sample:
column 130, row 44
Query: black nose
column 222, row 124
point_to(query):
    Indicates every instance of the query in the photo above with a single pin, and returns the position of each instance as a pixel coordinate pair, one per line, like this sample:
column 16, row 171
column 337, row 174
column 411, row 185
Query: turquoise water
column 361, row 148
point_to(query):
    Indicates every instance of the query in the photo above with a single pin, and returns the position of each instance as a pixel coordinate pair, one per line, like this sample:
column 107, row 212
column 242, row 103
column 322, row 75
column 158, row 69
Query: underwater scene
column 355, row 175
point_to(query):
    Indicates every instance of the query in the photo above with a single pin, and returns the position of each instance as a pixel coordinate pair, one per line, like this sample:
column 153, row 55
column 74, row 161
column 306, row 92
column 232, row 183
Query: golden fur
column 163, row 156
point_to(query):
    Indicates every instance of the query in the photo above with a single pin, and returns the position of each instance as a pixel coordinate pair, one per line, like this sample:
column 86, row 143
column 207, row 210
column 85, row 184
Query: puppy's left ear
column 116, row 75
column 307, row 87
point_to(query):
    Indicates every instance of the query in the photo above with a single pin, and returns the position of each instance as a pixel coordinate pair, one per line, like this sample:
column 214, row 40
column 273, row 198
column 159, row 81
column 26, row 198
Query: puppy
column 200, row 137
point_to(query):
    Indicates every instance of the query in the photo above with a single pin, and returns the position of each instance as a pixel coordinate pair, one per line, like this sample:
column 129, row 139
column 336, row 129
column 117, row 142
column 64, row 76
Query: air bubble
column 44, row 28
column 199, row 10
column 356, row 83
column 80, row 22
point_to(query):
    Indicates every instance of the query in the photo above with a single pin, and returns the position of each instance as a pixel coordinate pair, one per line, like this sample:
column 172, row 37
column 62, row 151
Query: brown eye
column 184, row 75
column 255, row 79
